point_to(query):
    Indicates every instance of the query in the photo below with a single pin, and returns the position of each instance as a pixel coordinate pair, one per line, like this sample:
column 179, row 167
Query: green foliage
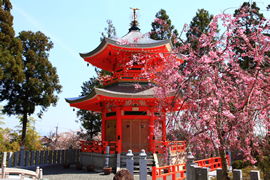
column 160, row 32
column 41, row 80
column 90, row 120
column 10, row 140
column 239, row 164
column 10, row 47
column 198, row 26
column 246, row 171
column 32, row 138
column 249, row 24
column 264, row 165
column 110, row 31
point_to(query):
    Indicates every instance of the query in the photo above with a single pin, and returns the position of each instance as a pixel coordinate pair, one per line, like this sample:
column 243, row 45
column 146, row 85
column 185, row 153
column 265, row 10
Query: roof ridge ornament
column 134, row 24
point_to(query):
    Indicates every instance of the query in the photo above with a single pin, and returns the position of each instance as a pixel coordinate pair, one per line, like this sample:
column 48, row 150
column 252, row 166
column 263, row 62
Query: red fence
column 176, row 146
column 213, row 163
column 99, row 146
column 177, row 171
column 165, row 171
column 159, row 146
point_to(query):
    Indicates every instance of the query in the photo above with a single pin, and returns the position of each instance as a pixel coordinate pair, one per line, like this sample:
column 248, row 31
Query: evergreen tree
column 250, row 24
column 110, row 31
column 90, row 120
column 160, row 32
column 198, row 26
column 32, row 138
column 40, row 84
column 10, row 47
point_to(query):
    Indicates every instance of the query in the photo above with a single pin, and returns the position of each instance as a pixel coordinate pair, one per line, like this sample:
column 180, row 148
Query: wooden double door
column 135, row 135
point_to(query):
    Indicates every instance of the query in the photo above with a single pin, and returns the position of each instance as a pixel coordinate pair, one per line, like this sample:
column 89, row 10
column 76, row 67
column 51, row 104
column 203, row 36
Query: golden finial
column 134, row 13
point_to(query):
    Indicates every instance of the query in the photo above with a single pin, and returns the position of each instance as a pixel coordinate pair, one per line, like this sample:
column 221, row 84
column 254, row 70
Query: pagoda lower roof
column 92, row 100
column 149, row 93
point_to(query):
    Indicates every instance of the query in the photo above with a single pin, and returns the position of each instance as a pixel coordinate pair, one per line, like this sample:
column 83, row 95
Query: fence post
column 169, row 155
column 54, row 156
column 58, row 156
column 237, row 174
column 192, row 172
column 50, row 157
column 107, row 154
column 254, row 175
column 197, row 173
column 204, row 173
column 130, row 164
column 37, row 158
column 21, row 163
column 70, row 153
column 41, row 157
column 4, row 159
column 219, row 173
column 143, row 165
column 15, row 159
column 26, row 158
column 3, row 171
column 32, row 158
column 154, row 170
column 46, row 157
column 10, row 157
column 190, row 161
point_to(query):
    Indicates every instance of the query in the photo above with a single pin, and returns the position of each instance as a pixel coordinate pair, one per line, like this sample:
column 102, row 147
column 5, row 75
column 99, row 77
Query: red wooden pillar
column 164, row 129
column 119, row 129
column 151, row 130
column 103, row 126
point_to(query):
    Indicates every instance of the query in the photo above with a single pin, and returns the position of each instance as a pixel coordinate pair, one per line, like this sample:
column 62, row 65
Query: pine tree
column 250, row 24
column 160, row 32
column 110, row 31
column 90, row 120
column 40, row 84
column 198, row 26
column 10, row 47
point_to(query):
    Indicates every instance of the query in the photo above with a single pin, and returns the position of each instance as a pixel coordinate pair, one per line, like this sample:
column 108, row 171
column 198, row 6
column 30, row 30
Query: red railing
column 213, row 163
column 99, row 146
column 176, row 146
column 173, row 170
column 124, row 77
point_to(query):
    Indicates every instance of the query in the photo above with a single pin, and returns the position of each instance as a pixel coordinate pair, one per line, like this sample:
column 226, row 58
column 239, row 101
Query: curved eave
column 103, row 92
column 108, row 41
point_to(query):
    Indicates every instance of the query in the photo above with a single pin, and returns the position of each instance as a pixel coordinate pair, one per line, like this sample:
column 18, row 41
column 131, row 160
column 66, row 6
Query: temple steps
column 136, row 159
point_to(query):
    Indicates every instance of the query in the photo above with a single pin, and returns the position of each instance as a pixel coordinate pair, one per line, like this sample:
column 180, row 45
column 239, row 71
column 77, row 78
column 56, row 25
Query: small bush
column 264, row 166
column 239, row 164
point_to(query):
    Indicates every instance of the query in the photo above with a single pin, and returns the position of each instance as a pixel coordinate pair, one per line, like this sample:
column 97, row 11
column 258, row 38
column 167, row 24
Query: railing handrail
column 99, row 146
column 201, row 163
column 173, row 145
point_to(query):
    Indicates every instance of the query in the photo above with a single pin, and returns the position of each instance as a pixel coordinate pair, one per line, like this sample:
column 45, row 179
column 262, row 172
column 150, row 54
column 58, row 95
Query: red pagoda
column 128, row 114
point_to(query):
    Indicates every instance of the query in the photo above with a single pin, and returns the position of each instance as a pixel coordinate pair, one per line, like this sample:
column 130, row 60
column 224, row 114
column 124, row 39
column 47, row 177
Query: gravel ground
column 59, row 173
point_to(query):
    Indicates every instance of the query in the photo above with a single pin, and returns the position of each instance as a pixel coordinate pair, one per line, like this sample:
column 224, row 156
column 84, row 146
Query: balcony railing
column 125, row 77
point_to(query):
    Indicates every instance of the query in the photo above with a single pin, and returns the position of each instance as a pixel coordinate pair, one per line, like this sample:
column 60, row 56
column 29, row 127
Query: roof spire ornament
column 134, row 24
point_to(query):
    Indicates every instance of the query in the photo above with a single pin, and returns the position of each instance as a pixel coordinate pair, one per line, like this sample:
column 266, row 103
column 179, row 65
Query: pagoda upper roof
column 133, row 40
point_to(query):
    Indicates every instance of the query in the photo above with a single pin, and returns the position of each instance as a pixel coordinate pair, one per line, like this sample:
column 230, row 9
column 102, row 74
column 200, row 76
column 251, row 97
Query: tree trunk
column 24, row 128
column 224, row 164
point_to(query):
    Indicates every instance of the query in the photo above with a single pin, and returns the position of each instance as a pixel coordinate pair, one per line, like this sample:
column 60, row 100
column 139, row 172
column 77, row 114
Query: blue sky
column 75, row 27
